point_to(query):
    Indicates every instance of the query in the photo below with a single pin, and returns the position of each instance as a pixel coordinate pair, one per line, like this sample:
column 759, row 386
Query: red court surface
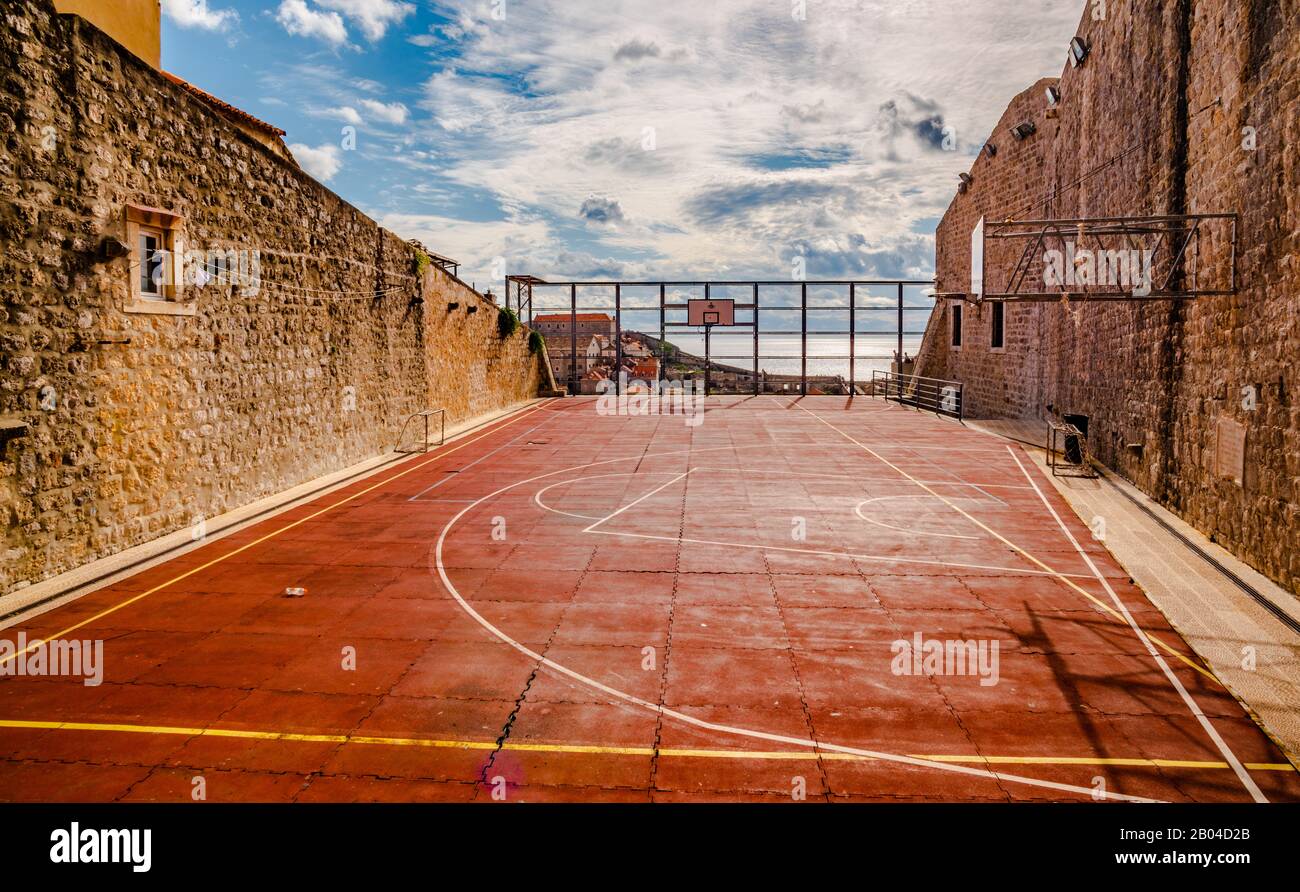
column 575, row 606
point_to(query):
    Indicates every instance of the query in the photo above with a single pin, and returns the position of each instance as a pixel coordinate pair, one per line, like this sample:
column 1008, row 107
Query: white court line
column 592, row 528
column 916, row 532
column 839, row 554
column 659, row 709
column 1228, row 755
column 452, row 474
column 1064, row 577
column 925, row 562
column 537, row 496
column 869, row 478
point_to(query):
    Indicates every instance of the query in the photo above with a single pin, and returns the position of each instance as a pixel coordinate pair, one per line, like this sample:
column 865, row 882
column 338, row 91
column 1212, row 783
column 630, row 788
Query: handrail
column 933, row 394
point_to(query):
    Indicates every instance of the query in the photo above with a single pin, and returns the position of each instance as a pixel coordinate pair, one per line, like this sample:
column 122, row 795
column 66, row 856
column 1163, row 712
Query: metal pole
column 573, row 339
column 803, row 339
column 707, row 329
column 756, row 384
column 900, row 328
column 663, row 351
column 618, row 339
column 852, row 340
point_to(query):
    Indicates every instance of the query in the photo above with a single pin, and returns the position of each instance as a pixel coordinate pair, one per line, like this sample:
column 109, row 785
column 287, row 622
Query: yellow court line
column 1172, row 651
column 129, row 601
column 595, row 749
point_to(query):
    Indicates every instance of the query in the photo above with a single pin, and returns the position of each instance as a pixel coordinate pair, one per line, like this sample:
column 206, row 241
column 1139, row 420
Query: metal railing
column 931, row 394
column 862, row 314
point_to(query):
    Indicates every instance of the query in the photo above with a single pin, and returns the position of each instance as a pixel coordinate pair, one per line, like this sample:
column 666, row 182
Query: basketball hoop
column 709, row 312
column 1165, row 257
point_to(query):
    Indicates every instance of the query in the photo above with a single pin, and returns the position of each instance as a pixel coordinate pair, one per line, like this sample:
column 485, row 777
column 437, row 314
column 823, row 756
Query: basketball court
column 572, row 605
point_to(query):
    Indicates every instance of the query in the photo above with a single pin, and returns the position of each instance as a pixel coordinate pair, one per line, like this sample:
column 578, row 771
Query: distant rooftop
column 579, row 317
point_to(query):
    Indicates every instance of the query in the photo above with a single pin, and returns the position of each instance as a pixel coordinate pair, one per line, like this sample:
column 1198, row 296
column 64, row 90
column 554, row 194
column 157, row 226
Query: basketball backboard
column 977, row 260
column 702, row 311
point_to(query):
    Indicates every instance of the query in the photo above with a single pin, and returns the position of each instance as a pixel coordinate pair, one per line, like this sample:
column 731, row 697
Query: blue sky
column 634, row 138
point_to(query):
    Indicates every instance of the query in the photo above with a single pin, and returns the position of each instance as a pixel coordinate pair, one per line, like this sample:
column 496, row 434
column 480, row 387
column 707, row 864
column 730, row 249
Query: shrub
column 535, row 342
column 507, row 321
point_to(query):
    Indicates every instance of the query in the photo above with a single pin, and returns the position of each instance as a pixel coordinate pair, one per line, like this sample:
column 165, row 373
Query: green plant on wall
column 421, row 262
column 535, row 342
column 507, row 321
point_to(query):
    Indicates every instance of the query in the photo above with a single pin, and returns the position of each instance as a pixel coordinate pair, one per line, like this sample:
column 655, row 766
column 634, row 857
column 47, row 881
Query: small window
column 152, row 266
column 999, row 325
column 154, row 238
column 956, row 325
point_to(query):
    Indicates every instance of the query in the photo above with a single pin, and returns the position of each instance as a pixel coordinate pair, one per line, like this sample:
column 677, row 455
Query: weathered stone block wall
column 471, row 368
column 1157, row 112
column 1002, row 184
column 151, row 421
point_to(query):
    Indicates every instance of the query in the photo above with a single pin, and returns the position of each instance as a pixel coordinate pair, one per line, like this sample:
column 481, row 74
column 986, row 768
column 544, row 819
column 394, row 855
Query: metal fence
column 932, row 394
column 815, row 336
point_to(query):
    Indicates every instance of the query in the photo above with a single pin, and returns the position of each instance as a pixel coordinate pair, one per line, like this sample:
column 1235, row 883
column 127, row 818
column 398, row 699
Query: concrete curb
column 30, row 601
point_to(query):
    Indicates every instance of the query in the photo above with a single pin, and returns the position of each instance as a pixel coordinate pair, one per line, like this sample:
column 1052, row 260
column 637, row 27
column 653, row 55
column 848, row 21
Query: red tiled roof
column 224, row 106
column 580, row 317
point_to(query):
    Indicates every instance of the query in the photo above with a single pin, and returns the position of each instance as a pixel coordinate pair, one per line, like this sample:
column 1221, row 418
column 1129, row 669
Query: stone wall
column 139, row 423
column 1153, row 123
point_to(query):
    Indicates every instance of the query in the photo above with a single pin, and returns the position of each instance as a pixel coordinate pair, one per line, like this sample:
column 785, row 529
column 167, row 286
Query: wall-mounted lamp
column 1078, row 51
column 1053, row 96
column 1024, row 130
column 966, row 180
column 111, row 248
column 991, row 149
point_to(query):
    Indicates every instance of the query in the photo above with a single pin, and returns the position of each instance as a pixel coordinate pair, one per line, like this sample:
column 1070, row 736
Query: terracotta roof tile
column 581, row 317
column 224, row 106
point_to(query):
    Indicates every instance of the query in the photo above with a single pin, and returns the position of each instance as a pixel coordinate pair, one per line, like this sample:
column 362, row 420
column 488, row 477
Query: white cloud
column 345, row 113
column 303, row 21
column 322, row 162
column 725, row 137
column 196, row 14
column 388, row 112
column 464, row 240
column 373, row 17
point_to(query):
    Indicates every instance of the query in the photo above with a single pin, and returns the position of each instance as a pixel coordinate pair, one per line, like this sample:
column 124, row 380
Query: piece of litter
column 294, row 592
